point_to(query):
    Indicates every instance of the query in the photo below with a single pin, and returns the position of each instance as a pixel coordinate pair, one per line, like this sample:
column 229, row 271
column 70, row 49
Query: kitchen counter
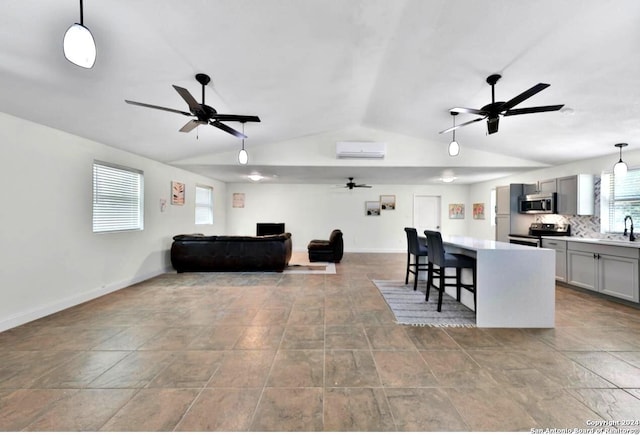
column 515, row 283
column 622, row 243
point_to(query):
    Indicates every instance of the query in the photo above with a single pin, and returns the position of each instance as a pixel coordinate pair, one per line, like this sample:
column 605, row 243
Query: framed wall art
column 372, row 208
column 456, row 211
column 238, row 200
column 388, row 202
column 177, row 193
column 478, row 210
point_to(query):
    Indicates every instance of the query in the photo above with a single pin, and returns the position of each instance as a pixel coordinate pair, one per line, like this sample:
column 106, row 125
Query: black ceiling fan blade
column 186, row 96
column 523, row 96
column 537, row 109
column 151, row 106
column 191, row 125
column 462, row 125
column 468, row 110
column 362, row 185
column 228, row 129
column 237, row 118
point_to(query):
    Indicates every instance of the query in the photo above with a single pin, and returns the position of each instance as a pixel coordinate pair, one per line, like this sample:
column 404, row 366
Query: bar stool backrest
column 412, row 241
column 435, row 247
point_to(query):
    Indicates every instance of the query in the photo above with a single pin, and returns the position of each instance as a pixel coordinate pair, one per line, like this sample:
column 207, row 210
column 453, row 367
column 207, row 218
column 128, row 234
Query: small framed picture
column 456, row 211
column 177, row 193
column 372, row 208
column 388, row 202
column 478, row 210
column 238, row 200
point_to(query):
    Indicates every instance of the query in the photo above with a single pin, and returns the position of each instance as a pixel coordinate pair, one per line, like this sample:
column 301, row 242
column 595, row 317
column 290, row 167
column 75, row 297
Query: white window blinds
column 204, row 205
column 117, row 198
column 620, row 197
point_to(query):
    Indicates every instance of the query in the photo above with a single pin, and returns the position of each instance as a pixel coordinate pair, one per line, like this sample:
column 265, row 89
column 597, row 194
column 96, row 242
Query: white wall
column 312, row 211
column 50, row 258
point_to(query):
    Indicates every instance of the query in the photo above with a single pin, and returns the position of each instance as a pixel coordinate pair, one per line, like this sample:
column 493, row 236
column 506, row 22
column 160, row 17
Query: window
column 117, row 198
column 620, row 196
column 204, row 205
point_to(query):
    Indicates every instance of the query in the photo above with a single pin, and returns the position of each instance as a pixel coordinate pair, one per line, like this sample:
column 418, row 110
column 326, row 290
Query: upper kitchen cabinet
column 542, row 186
column 575, row 195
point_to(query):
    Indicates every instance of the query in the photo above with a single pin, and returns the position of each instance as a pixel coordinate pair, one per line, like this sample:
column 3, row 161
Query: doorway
column 426, row 213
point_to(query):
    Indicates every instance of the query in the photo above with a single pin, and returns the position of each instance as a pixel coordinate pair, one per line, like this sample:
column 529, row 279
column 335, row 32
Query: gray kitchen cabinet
column 575, row 195
column 605, row 269
column 503, row 205
column 503, row 227
column 561, row 257
column 542, row 186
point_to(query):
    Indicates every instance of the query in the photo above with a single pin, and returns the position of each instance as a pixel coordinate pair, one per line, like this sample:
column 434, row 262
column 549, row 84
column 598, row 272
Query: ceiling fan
column 492, row 111
column 351, row 184
column 203, row 114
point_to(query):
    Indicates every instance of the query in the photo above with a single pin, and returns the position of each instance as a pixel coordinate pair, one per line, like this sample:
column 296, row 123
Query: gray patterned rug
column 410, row 308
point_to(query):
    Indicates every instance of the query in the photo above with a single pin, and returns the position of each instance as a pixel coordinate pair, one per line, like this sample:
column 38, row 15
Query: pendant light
column 454, row 147
column 243, row 156
column 78, row 44
column 620, row 168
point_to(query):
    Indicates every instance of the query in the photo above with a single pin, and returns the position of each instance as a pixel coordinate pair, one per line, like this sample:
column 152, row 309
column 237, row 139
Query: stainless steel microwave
column 537, row 203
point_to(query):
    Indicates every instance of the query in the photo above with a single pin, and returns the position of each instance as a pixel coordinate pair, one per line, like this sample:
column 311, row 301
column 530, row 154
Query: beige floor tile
column 21, row 407
column 303, row 337
column 454, row 368
column 610, row 404
column 357, row 409
column 606, row 365
column 82, row 410
column 136, row 370
column 189, row 369
column 218, row 337
column 424, row 410
column 489, row 409
column 152, row 410
column 221, row 409
column 428, row 338
column 19, row 369
column 287, row 409
column 260, row 337
column 345, row 337
column 403, row 369
column 80, row 371
column 297, row 368
column 350, row 368
column 243, row 369
column 389, row 337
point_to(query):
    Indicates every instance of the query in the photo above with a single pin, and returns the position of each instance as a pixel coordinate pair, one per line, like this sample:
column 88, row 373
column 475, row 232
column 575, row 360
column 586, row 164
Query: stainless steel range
column 537, row 230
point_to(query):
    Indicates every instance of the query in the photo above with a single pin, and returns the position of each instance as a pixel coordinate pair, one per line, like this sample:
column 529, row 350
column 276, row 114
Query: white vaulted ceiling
column 317, row 71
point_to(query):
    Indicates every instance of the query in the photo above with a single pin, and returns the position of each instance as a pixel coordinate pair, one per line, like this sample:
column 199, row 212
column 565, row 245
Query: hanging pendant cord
column 81, row 14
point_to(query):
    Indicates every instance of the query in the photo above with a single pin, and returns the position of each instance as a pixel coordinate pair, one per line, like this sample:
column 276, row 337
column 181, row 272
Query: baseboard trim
column 46, row 310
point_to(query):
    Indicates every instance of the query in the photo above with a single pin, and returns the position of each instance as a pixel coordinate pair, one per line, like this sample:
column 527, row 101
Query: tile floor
column 266, row 352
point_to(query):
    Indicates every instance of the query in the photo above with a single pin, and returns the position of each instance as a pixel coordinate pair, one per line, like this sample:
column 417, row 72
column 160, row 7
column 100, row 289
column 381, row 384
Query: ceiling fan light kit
column 203, row 114
column 492, row 111
column 78, row 44
column 620, row 168
column 454, row 147
column 243, row 155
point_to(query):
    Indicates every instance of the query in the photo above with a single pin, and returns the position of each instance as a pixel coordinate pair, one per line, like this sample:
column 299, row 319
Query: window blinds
column 204, row 205
column 623, row 195
column 117, row 198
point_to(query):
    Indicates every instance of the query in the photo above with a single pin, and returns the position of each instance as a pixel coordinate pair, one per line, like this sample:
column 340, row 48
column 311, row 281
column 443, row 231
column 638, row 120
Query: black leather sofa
column 200, row 253
column 327, row 250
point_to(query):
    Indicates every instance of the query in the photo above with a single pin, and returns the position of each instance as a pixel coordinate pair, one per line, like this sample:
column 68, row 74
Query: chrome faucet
column 632, row 237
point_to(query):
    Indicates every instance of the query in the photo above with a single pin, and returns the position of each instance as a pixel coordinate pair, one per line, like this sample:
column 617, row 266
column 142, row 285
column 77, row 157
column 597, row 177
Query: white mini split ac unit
column 361, row 150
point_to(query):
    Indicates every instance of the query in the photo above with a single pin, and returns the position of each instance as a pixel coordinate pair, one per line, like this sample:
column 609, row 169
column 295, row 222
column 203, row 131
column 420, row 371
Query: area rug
column 311, row 268
column 410, row 308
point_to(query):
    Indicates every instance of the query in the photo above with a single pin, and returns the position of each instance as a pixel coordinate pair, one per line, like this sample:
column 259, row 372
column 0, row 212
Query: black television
column 267, row 229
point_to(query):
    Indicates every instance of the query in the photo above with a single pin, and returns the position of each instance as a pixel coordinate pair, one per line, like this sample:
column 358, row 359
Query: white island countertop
column 515, row 283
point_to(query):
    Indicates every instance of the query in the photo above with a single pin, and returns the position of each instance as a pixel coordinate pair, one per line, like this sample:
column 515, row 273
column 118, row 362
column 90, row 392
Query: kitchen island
column 515, row 285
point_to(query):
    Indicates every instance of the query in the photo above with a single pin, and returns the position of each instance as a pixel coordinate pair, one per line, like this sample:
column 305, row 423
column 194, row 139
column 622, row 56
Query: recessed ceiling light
column 449, row 179
column 255, row 177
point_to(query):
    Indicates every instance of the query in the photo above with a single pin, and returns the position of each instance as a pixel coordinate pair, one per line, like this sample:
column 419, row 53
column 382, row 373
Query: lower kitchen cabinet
column 605, row 269
column 561, row 257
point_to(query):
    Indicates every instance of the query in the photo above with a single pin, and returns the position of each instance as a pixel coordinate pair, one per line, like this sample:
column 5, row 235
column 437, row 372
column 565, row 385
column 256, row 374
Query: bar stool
column 442, row 259
column 417, row 249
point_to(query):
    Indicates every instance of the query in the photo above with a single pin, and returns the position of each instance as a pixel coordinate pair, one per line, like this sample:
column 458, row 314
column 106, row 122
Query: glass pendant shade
column 243, row 157
column 454, row 148
column 79, row 46
column 620, row 168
